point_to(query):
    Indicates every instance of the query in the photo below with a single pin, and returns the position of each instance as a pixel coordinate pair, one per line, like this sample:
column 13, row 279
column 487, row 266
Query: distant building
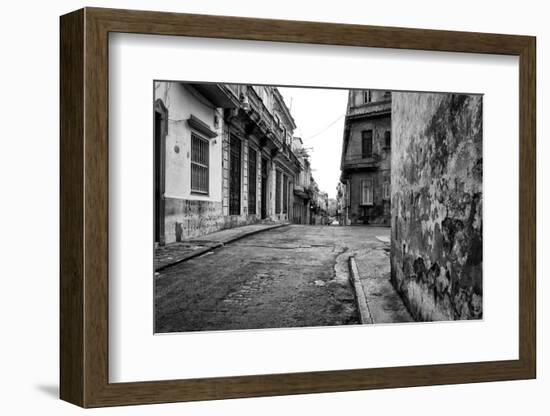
column 332, row 207
column 341, row 204
column 364, row 194
column 223, row 158
column 319, row 205
column 302, row 186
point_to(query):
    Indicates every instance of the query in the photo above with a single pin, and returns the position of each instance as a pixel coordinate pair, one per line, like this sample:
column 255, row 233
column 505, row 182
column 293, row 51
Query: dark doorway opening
column 160, row 130
column 234, row 176
column 264, row 189
column 252, row 166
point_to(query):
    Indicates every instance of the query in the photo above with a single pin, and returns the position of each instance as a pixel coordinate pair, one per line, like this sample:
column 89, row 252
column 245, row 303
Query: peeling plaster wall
column 436, row 195
column 187, row 218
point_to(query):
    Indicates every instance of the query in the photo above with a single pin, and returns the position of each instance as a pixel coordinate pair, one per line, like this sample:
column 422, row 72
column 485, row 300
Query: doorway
column 264, row 189
column 160, row 131
column 234, row 176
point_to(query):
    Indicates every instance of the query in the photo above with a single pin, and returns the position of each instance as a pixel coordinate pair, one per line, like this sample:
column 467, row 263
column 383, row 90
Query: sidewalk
column 383, row 304
column 174, row 253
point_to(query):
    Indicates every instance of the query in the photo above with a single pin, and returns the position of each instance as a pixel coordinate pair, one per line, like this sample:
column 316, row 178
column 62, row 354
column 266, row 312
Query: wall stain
column 437, row 204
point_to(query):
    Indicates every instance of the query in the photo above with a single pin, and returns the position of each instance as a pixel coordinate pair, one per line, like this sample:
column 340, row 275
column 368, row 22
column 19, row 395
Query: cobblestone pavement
column 294, row 276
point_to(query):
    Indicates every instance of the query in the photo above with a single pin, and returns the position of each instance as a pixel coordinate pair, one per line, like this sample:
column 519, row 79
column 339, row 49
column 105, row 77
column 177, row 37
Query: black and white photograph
column 286, row 206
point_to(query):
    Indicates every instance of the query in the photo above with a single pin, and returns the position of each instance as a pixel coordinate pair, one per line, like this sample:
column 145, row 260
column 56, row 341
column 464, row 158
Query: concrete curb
column 364, row 311
column 189, row 256
column 216, row 245
column 238, row 237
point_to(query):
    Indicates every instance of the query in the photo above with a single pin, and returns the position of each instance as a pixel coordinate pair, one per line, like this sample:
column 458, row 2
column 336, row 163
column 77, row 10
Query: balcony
column 358, row 162
column 300, row 191
column 265, row 123
column 372, row 109
column 218, row 94
column 259, row 121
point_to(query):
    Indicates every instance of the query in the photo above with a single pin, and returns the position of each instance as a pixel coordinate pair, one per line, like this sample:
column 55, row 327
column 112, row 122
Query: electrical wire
column 326, row 128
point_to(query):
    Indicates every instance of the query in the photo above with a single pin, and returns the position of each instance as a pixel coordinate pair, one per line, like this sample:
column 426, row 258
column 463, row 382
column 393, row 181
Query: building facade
column 302, row 187
column 364, row 193
column 223, row 158
column 318, row 206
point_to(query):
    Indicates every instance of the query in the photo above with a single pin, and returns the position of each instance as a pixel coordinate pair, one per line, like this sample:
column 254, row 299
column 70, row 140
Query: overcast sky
column 319, row 116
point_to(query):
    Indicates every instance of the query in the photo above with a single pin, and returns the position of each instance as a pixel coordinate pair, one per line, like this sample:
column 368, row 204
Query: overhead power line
column 326, row 128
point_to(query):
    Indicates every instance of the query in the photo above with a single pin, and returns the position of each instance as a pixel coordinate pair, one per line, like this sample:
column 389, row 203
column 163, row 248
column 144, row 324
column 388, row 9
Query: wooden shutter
column 366, row 192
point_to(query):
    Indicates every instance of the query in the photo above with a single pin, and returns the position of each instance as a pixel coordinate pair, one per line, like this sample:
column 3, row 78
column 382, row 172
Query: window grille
column 200, row 150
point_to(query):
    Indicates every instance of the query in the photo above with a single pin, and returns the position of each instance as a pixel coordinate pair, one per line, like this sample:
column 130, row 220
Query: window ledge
column 199, row 125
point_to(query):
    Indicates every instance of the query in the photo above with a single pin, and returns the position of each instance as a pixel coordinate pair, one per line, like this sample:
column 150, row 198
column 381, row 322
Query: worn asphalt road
column 294, row 276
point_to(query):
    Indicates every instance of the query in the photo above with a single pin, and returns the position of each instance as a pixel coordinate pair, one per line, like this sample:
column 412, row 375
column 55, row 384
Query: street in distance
column 282, row 207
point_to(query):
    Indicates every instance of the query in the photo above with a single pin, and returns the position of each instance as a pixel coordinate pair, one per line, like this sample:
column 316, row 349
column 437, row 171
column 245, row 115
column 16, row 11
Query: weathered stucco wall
column 181, row 102
column 436, row 194
column 188, row 214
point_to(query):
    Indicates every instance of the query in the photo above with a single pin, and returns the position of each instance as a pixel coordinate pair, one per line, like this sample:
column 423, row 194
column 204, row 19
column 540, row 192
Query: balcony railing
column 375, row 107
column 236, row 89
column 360, row 162
column 266, row 119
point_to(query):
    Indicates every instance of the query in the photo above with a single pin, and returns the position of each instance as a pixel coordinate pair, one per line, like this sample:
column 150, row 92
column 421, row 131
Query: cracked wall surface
column 436, row 198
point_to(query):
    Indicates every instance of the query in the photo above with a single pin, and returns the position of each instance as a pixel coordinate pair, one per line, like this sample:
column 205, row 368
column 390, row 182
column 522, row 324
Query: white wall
column 181, row 103
column 29, row 218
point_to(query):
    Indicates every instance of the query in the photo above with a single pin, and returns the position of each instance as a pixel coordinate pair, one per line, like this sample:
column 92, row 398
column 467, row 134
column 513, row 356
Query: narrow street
column 293, row 276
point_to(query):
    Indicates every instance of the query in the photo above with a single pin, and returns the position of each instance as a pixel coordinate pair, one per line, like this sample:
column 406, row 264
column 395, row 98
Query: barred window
column 200, row 150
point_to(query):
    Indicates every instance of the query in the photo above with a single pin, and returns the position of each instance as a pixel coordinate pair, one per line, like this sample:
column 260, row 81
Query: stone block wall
column 436, row 194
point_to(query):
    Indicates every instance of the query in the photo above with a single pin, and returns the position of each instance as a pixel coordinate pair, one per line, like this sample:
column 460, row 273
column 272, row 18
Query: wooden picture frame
column 84, row 207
